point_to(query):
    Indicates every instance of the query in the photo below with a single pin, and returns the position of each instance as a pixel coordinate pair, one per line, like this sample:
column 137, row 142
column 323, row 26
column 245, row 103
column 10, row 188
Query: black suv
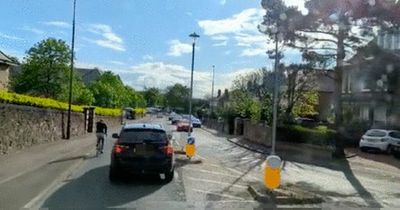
column 142, row 149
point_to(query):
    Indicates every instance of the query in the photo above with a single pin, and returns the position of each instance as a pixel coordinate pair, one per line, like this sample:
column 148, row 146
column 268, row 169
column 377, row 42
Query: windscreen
column 142, row 135
column 376, row 133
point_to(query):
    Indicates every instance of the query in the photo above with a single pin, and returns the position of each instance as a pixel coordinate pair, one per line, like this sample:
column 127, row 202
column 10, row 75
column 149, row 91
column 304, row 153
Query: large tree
column 153, row 97
column 331, row 30
column 45, row 69
column 177, row 96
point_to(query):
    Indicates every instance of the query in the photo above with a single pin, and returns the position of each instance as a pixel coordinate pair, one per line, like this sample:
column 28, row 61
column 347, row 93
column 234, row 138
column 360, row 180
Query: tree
column 177, row 96
column 300, row 86
column 109, row 91
column 152, row 96
column 45, row 69
column 327, row 33
column 81, row 95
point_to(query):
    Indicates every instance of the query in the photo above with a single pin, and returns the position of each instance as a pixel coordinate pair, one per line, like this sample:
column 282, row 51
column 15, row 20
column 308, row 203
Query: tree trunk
column 339, row 142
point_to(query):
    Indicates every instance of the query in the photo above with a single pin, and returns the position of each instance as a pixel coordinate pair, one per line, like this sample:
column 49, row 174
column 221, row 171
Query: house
column 371, row 83
column 5, row 65
column 88, row 75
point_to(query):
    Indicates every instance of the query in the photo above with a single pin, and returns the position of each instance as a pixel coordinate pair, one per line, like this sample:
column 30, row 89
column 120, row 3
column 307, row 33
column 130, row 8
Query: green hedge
column 19, row 99
column 319, row 135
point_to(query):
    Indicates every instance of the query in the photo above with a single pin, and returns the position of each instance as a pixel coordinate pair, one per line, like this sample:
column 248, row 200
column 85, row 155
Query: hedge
column 320, row 135
column 19, row 99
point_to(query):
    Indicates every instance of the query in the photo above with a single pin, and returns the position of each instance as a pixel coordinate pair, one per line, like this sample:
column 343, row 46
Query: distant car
column 184, row 125
column 378, row 139
column 176, row 119
column 395, row 143
column 196, row 123
column 305, row 121
column 171, row 115
column 142, row 149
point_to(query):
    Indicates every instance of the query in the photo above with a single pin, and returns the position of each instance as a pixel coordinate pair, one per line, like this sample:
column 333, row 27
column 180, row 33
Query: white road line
column 201, row 157
column 218, row 182
column 218, row 194
column 210, row 172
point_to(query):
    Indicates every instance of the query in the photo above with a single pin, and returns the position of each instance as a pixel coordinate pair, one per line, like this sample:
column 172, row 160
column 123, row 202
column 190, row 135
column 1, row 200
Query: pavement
column 218, row 177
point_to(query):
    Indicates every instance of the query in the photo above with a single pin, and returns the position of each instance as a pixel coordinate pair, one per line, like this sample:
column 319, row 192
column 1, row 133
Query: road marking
column 210, row 172
column 201, row 157
column 54, row 185
column 218, row 194
column 218, row 182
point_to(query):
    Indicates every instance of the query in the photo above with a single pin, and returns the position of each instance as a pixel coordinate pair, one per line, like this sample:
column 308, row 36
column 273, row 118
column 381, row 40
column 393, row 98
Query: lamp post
column 71, row 74
column 194, row 36
column 212, row 91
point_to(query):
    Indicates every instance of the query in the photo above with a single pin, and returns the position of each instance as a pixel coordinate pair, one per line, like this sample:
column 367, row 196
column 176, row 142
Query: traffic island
column 282, row 196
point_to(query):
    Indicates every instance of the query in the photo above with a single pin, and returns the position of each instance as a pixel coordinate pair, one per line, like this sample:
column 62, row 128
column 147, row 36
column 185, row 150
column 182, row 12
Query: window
column 141, row 135
column 376, row 133
column 395, row 134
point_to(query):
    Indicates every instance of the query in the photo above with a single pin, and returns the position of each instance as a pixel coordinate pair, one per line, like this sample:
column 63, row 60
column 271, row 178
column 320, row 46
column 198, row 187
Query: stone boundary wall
column 24, row 126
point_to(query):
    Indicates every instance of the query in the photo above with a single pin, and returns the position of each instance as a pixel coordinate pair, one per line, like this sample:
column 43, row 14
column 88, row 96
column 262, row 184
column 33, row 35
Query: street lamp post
column 212, row 91
column 194, row 36
column 71, row 74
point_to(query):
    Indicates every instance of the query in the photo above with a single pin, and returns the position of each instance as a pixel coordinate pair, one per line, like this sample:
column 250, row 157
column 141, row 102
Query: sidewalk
column 30, row 159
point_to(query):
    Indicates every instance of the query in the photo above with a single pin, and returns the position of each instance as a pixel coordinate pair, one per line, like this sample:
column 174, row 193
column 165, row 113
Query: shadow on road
column 375, row 156
column 68, row 159
column 94, row 191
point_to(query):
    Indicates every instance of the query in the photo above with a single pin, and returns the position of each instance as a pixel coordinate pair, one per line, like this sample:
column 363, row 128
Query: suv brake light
column 169, row 150
column 118, row 148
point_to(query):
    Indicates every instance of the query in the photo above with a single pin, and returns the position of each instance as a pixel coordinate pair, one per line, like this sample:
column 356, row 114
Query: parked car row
column 383, row 140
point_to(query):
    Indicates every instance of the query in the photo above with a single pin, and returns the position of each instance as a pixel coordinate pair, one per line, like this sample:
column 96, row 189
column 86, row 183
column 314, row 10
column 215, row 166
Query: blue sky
column 146, row 41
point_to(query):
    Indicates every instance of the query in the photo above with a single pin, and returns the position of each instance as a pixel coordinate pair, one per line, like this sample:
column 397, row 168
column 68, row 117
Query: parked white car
column 378, row 139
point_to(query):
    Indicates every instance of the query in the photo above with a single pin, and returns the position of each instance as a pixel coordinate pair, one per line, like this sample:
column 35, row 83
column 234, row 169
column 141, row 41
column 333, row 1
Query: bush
column 19, row 99
column 320, row 135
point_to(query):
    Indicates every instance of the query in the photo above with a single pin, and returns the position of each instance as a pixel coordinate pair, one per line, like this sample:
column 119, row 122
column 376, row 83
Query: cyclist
column 101, row 132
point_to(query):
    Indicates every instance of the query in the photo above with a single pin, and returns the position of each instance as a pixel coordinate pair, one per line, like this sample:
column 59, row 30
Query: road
column 216, row 178
column 203, row 182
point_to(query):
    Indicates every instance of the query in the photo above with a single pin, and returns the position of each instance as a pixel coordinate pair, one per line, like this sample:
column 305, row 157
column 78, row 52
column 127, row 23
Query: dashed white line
column 209, row 172
column 217, row 182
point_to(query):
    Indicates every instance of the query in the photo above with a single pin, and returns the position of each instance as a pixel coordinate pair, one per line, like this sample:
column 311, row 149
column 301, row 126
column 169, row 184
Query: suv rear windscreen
column 142, row 135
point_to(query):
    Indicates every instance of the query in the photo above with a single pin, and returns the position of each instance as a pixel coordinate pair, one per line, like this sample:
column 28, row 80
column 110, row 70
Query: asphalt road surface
column 199, row 183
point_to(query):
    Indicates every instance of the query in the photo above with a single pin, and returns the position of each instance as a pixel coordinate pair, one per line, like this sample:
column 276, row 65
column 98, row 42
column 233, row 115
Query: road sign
column 190, row 147
column 272, row 172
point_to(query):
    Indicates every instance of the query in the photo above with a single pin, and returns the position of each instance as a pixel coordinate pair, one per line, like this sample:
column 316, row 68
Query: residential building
column 5, row 64
column 371, row 83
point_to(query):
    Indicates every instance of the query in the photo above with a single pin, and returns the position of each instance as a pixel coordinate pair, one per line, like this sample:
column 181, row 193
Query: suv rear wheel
column 169, row 176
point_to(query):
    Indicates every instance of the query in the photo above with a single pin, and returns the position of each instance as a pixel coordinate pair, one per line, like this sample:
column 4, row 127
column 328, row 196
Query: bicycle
column 100, row 145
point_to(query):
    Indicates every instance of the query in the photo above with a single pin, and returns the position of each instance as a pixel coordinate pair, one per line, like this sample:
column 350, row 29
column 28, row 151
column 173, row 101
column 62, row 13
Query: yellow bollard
column 190, row 150
column 190, row 147
column 272, row 172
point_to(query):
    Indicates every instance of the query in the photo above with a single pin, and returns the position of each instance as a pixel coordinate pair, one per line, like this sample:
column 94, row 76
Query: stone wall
column 216, row 125
column 24, row 126
column 257, row 132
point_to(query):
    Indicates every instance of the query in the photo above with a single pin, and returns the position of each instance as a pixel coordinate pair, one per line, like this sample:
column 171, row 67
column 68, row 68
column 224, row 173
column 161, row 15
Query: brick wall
column 4, row 76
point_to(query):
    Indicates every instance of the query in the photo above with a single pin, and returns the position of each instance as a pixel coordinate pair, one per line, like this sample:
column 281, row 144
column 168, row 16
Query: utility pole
column 71, row 74
column 275, row 95
column 212, row 91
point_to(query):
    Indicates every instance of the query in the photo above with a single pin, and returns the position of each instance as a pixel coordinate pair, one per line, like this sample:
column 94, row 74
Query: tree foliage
column 45, row 69
column 177, row 96
column 153, row 97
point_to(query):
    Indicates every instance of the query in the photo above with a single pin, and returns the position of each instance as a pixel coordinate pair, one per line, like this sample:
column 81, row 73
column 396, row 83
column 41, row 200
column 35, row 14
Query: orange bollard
column 190, row 150
column 272, row 172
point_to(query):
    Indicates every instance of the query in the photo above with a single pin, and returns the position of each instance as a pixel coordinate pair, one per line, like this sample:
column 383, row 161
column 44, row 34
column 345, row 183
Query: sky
column 146, row 42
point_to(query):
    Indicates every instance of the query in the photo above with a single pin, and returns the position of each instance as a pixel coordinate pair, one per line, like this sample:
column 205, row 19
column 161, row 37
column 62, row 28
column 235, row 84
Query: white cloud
column 223, row 43
column 33, row 30
column 222, row 2
column 5, row 36
column 242, row 28
column 147, row 58
column 178, row 48
column 60, row 24
column 108, row 38
column 120, row 63
column 245, row 21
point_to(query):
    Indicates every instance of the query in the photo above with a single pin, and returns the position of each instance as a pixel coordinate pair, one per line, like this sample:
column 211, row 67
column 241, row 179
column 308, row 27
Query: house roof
column 88, row 75
column 5, row 59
